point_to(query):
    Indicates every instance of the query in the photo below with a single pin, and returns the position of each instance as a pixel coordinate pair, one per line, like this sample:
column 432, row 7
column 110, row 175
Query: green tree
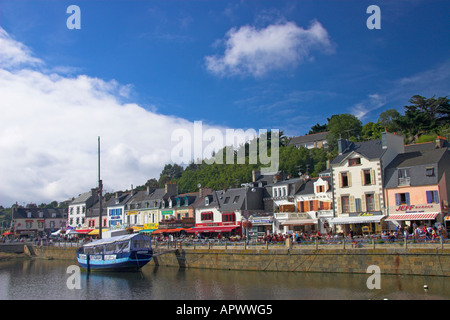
column 371, row 131
column 345, row 126
column 388, row 119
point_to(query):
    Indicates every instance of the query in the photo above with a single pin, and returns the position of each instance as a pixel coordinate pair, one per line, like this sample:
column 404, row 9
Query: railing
column 317, row 243
column 404, row 181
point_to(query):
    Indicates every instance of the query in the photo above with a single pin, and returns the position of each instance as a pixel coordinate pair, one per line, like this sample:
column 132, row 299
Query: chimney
column 255, row 175
column 203, row 192
column 171, row 188
column 342, row 145
column 440, row 142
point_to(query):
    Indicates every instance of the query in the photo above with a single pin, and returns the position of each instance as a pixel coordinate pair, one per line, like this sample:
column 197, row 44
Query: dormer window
column 354, row 162
column 178, row 202
column 207, row 201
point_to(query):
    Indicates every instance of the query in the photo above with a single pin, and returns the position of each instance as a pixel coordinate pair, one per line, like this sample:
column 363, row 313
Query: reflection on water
column 43, row 279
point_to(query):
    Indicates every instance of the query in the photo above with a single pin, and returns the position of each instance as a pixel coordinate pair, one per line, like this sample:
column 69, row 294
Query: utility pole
column 100, row 187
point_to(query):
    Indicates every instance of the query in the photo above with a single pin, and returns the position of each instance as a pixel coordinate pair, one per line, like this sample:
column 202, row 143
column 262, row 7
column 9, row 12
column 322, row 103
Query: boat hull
column 131, row 261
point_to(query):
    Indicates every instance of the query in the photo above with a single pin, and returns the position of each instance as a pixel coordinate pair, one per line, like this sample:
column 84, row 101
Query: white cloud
column 373, row 102
column 14, row 53
column 49, row 128
column 277, row 47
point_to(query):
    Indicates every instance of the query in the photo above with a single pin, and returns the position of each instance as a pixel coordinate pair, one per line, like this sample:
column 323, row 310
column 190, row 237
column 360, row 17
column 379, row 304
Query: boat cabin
column 119, row 244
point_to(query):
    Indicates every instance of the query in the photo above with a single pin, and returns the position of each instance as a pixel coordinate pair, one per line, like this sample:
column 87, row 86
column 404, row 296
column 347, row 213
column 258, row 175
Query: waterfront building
column 79, row 205
column 280, row 200
column 93, row 217
column 314, row 203
column 357, row 175
column 149, row 206
column 115, row 218
column 33, row 221
column 224, row 211
column 417, row 186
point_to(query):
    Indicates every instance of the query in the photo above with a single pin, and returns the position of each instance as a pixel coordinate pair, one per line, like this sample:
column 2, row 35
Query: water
column 47, row 279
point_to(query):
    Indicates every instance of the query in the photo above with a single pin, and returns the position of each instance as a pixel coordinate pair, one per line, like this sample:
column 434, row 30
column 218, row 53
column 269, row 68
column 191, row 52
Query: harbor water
column 52, row 279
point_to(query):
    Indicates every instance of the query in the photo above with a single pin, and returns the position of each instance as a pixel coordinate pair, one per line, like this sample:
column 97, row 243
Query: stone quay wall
column 425, row 261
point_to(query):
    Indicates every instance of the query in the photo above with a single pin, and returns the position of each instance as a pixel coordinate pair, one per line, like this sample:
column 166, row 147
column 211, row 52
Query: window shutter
column 376, row 197
column 349, row 179
column 372, row 176
column 407, row 198
column 362, row 178
column 315, row 205
column 339, row 205
column 428, row 196
column 340, row 180
column 363, row 203
column 436, row 196
column 397, row 199
column 352, row 204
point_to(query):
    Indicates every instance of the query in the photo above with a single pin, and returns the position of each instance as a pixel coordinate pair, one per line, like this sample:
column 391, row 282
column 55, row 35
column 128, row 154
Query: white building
column 357, row 174
column 77, row 208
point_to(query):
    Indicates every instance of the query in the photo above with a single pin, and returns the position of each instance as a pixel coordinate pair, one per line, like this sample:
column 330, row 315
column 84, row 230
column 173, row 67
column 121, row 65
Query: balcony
column 404, row 181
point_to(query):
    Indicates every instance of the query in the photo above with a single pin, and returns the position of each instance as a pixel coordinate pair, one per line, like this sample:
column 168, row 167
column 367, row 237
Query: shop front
column 360, row 223
column 408, row 215
column 261, row 225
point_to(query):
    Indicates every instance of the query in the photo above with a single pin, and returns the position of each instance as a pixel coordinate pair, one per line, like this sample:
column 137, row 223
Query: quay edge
column 426, row 262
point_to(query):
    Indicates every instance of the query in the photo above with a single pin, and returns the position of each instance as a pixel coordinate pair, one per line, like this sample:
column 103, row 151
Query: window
column 206, row 202
column 345, row 179
column 236, row 199
column 370, row 202
column 430, row 172
column 433, row 196
column 28, row 224
column 178, row 202
column 345, row 203
column 320, row 189
column 403, row 177
column 275, row 192
column 228, row 217
column 367, row 177
column 354, row 162
column 227, row 199
column 207, row 215
column 402, row 199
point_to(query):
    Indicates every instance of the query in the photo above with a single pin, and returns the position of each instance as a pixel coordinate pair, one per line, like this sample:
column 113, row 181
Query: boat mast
column 100, row 187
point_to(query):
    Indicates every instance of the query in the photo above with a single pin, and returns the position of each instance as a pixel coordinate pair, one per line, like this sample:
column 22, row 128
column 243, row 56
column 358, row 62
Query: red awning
column 412, row 216
column 84, row 231
column 212, row 229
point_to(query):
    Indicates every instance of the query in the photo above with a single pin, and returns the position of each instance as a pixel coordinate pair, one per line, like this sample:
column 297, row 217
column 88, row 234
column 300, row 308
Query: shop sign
column 416, row 208
column 365, row 214
column 167, row 212
column 151, row 226
column 266, row 220
column 131, row 213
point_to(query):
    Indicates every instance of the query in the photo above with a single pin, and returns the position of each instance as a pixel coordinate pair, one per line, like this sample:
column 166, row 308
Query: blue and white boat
column 121, row 253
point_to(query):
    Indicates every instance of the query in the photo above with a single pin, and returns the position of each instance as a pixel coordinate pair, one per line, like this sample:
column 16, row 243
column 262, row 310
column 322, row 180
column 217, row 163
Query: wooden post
column 442, row 243
column 267, row 245
column 226, row 244
column 317, row 244
column 406, row 243
column 343, row 243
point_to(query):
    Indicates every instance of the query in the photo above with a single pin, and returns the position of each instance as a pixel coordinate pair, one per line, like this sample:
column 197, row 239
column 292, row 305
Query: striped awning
column 413, row 216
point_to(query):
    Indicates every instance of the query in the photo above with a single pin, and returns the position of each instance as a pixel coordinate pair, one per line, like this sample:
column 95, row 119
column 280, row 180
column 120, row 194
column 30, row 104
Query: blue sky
column 231, row 64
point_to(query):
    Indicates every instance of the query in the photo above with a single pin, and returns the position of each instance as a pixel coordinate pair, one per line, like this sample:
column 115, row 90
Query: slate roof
column 234, row 199
column 82, row 198
column 416, row 163
column 308, row 187
column 320, row 136
column 22, row 213
column 369, row 149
